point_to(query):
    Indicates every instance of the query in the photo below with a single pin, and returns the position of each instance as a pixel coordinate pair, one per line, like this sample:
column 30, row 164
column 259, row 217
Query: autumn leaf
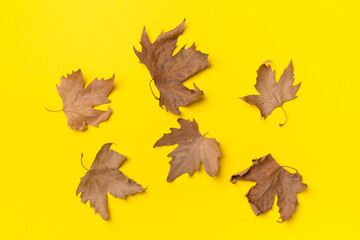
column 169, row 72
column 192, row 149
column 104, row 176
column 271, row 179
column 272, row 94
column 78, row 102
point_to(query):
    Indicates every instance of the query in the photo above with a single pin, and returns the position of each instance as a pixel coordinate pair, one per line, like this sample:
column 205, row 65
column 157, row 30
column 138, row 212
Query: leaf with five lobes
column 168, row 71
column 192, row 149
column 272, row 94
column 78, row 102
column 271, row 179
column 104, row 176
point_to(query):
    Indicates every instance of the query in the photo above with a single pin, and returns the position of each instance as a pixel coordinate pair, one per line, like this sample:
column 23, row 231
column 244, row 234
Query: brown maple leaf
column 104, row 176
column 272, row 94
column 192, row 149
column 271, row 179
column 168, row 72
column 78, row 102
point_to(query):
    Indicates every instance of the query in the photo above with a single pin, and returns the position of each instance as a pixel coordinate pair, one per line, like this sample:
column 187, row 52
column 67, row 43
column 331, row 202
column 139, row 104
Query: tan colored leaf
column 192, row 149
column 104, row 176
column 78, row 102
column 272, row 94
column 271, row 179
column 168, row 72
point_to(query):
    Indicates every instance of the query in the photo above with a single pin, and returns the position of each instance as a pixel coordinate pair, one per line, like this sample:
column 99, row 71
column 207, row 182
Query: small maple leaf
column 104, row 176
column 169, row 72
column 272, row 94
column 78, row 102
column 192, row 149
column 271, row 179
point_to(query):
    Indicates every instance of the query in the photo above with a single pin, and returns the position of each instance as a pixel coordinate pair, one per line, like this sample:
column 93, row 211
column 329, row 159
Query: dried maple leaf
column 168, row 72
column 104, row 176
column 271, row 179
column 192, row 149
column 272, row 94
column 78, row 102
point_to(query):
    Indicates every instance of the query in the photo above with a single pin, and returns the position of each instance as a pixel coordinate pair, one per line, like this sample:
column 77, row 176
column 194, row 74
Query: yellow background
column 40, row 162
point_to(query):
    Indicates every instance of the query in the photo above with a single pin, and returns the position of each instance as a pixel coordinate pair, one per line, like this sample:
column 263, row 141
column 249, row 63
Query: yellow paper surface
column 40, row 162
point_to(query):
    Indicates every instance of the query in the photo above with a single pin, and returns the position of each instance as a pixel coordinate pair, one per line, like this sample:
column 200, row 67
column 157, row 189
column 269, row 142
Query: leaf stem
column 152, row 90
column 282, row 124
column 82, row 155
column 291, row 168
column 53, row 110
column 205, row 134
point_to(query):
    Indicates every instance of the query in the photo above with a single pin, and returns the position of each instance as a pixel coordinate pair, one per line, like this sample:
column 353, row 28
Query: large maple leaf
column 272, row 94
column 168, row 72
column 78, row 102
column 271, row 179
column 104, row 176
column 192, row 149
